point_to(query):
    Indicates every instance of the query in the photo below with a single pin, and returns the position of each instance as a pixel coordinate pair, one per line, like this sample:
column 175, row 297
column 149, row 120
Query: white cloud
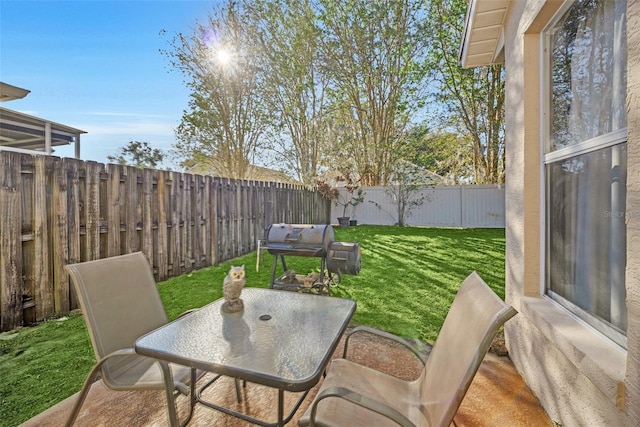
column 131, row 130
column 121, row 114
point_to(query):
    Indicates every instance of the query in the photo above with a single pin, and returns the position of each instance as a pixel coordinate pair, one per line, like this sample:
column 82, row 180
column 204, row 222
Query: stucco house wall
column 580, row 377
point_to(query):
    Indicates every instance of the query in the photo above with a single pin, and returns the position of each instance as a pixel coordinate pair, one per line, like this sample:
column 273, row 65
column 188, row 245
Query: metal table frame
column 282, row 340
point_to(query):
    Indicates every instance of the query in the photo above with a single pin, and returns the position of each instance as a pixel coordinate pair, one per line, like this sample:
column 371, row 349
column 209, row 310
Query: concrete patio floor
column 497, row 397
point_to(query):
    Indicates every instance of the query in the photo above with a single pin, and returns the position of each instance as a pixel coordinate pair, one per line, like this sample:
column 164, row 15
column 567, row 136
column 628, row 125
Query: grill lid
column 311, row 240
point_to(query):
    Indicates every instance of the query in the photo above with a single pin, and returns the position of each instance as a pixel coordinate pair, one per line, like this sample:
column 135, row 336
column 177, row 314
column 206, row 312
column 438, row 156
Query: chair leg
column 83, row 394
column 238, row 394
column 171, row 406
column 169, row 389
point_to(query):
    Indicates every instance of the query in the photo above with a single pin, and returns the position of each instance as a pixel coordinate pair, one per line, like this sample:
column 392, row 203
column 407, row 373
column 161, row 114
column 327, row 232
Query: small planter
column 343, row 221
column 353, row 222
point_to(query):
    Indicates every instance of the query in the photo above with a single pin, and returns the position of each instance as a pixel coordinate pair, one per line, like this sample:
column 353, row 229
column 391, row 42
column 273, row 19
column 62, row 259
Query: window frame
column 549, row 156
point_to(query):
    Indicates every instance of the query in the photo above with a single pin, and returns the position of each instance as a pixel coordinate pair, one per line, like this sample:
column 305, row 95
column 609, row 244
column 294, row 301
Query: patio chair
column 120, row 302
column 356, row 395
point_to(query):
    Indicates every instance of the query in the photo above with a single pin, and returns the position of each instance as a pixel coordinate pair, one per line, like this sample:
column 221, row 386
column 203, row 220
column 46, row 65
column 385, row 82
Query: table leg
column 280, row 407
column 192, row 397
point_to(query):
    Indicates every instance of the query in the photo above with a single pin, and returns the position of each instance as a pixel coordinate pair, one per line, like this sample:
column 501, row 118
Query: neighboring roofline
column 24, row 133
column 9, row 92
column 483, row 36
column 34, row 119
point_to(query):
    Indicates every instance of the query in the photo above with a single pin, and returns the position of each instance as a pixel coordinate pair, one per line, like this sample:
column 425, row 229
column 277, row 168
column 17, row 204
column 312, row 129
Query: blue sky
column 96, row 66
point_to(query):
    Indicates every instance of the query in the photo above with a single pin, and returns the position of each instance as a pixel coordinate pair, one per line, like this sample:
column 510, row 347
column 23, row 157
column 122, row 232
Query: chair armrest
column 383, row 334
column 99, row 363
column 360, row 400
column 164, row 366
column 120, row 352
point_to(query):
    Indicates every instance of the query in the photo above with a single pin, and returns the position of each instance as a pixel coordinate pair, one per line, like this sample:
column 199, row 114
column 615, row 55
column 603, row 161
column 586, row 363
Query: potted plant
column 353, row 196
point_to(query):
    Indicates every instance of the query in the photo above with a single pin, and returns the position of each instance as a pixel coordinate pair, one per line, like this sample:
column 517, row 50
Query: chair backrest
column 464, row 339
column 119, row 300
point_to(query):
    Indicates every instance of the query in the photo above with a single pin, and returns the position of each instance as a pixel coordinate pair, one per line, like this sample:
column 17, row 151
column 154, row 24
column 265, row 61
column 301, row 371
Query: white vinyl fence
column 467, row 206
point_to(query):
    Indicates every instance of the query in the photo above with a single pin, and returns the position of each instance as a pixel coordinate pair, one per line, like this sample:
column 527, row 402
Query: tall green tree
column 437, row 151
column 471, row 100
column 329, row 85
column 288, row 38
column 139, row 154
column 371, row 52
column 226, row 119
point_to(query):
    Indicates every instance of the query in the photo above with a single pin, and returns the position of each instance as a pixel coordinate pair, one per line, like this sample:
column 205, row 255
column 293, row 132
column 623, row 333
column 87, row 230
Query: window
column 585, row 161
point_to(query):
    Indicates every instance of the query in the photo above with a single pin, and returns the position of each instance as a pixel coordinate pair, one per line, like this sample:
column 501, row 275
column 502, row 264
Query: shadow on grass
column 408, row 280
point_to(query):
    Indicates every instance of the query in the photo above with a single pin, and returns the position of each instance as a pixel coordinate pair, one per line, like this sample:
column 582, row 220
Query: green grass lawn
column 409, row 278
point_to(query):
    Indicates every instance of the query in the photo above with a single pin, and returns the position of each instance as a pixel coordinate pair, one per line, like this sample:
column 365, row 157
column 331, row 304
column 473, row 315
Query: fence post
column 463, row 207
column 42, row 281
column 131, row 210
column 113, row 209
column 164, row 214
column 91, row 215
column 73, row 218
column 60, row 234
column 149, row 209
column 175, row 241
column 11, row 254
column 268, row 205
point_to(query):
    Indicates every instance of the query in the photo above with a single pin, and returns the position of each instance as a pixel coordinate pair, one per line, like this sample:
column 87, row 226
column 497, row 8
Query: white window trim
column 614, row 335
column 602, row 141
column 546, row 156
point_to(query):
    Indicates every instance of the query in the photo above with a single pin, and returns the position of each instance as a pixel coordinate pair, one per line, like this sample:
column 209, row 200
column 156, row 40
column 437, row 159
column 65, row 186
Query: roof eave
column 483, row 36
column 9, row 92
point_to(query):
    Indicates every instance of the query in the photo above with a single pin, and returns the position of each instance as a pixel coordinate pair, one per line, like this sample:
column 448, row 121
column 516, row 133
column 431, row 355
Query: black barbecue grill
column 310, row 240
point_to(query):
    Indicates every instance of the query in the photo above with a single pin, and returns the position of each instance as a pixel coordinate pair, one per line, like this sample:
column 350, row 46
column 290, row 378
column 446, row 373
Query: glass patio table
column 281, row 339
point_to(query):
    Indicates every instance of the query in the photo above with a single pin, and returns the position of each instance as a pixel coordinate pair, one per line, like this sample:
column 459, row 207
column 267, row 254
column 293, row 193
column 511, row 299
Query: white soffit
column 483, row 42
column 9, row 92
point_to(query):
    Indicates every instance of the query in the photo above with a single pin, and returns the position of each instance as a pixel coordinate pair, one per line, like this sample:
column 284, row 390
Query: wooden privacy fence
column 55, row 211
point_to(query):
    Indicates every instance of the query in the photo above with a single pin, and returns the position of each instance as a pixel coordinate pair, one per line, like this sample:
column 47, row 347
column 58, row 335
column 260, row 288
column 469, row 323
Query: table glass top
column 281, row 339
